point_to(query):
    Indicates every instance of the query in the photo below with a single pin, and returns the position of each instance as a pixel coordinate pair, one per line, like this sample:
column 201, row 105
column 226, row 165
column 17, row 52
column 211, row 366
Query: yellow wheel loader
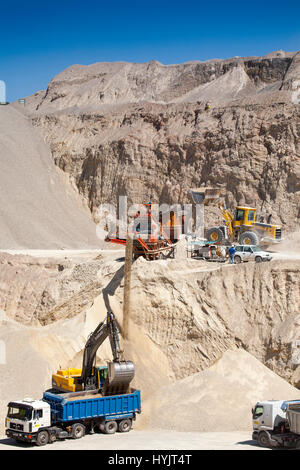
column 240, row 227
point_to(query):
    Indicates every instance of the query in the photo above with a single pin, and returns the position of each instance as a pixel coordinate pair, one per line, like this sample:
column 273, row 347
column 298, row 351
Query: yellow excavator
column 240, row 227
column 111, row 379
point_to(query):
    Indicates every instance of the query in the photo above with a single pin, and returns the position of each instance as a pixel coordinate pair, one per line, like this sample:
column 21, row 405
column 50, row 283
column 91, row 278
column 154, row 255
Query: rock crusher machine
column 152, row 238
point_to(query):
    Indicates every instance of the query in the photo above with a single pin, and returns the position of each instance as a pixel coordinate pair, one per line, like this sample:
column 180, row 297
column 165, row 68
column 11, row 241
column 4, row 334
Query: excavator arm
column 120, row 372
column 92, row 345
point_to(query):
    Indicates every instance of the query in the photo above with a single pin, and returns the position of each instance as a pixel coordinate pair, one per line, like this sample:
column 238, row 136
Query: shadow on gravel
column 13, row 443
column 250, row 442
column 255, row 444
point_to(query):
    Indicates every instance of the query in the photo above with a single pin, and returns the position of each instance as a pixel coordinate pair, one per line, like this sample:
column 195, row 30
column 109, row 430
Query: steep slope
column 39, row 208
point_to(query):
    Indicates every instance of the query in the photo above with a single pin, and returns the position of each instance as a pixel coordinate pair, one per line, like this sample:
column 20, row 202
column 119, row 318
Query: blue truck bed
column 73, row 407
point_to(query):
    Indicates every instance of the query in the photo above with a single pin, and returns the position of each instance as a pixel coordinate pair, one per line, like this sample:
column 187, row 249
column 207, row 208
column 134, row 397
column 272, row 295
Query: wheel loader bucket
column 120, row 374
column 205, row 195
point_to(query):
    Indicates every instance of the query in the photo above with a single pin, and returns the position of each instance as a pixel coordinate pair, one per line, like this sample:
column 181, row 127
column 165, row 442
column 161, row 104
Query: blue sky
column 40, row 39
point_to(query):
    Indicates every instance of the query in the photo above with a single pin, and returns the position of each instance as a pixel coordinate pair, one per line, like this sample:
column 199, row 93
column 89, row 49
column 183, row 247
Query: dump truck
column 241, row 227
column 81, row 400
column 70, row 415
column 276, row 423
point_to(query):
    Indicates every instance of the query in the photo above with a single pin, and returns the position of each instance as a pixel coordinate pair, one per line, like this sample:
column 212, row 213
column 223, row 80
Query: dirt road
column 148, row 440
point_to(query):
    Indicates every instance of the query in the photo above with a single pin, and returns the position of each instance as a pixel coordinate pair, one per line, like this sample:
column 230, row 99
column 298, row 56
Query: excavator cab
column 103, row 374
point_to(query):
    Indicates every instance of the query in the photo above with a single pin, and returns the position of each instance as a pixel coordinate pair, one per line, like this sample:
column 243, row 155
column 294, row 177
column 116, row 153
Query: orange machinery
column 150, row 240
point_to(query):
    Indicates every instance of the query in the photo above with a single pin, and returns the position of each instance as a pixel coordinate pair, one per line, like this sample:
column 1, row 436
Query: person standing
column 231, row 253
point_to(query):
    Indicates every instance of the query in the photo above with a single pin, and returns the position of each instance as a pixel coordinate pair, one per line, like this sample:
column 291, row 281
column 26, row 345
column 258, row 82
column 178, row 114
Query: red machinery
column 149, row 238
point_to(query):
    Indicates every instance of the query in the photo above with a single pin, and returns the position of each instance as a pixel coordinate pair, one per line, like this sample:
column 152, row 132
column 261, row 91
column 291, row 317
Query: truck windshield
column 255, row 248
column 18, row 412
column 259, row 410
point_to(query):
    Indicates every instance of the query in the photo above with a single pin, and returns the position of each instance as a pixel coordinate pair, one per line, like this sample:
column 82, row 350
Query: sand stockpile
column 39, row 208
column 217, row 399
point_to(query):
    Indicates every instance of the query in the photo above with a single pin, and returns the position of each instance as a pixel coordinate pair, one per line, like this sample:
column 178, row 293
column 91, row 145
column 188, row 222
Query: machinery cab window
column 239, row 216
column 103, row 374
column 251, row 216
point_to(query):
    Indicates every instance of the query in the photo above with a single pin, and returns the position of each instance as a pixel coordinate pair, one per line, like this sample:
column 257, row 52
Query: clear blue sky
column 40, row 39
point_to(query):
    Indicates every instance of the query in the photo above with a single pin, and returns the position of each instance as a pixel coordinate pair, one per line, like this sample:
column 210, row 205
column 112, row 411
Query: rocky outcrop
column 143, row 130
column 250, row 151
column 39, row 291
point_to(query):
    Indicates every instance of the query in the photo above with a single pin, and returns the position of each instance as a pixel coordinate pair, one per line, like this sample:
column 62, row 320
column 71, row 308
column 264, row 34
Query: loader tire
column 215, row 234
column 249, row 238
column 263, row 439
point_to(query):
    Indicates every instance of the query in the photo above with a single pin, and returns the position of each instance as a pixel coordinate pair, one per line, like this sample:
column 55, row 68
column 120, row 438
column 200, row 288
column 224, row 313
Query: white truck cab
column 26, row 417
column 268, row 415
column 270, row 423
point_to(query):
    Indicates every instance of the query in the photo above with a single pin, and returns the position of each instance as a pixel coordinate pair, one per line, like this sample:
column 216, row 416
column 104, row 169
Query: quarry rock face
column 144, row 130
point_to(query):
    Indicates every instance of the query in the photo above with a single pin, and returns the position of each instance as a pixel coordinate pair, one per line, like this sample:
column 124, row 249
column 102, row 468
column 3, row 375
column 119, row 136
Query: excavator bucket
column 205, row 195
column 120, row 374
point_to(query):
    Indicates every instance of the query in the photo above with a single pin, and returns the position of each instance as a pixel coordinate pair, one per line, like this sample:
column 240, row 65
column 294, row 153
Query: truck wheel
column 248, row 238
column 214, row 234
column 237, row 259
column 77, row 431
column 42, row 438
column 125, row 425
column 110, row 427
column 263, row 439
column 258, row 259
